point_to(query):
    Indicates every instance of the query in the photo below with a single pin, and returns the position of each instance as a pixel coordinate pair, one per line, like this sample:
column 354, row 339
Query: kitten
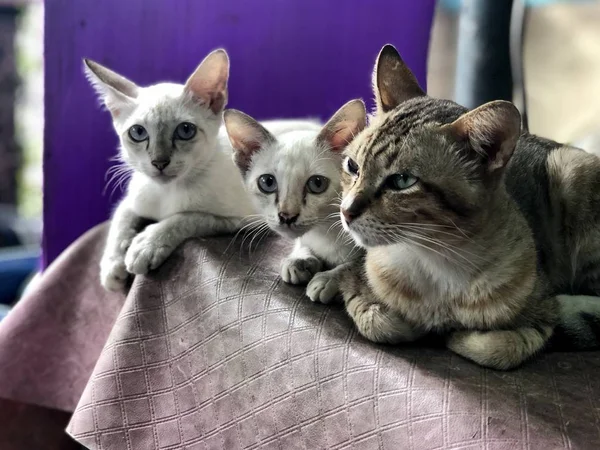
column 474, row 229
column 182, row 178
column 294, row 180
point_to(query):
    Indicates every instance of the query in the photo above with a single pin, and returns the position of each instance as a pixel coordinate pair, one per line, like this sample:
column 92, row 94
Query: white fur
column 320, row 243
column 436, row 275
column 199, row 193
column 319, row 240
column 293, row 152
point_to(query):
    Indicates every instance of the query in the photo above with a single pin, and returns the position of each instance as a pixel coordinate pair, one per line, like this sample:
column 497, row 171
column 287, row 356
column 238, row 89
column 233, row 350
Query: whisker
column 408, row 241
column 445, row 247
column 258, row 233
column 246, row 228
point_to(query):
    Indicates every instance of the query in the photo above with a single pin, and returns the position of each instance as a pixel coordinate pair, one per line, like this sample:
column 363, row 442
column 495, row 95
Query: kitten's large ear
column 492, row 130
column 208, row 83
column 246, row 135
column 393, row 81
column 116, row 91
column 346, row 123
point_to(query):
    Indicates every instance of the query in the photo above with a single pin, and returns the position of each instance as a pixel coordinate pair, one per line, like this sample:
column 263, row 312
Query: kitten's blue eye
column 401, row 181
column 267, row 183
column 317, row 184
column 351, row 166
column 185, row 131
column 138, row 133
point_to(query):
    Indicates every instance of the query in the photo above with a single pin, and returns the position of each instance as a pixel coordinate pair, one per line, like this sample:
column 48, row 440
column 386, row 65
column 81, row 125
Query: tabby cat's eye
column 317, row 184
column 185, row 131
column 401, row 181
column 267, row 183
column 351, row 166
column 138, row 133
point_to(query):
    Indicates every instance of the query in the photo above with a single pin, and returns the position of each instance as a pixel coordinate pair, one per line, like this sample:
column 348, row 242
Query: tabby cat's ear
column 246, row 135
column 393, row 82
column 208, row 83
column 492, row 130
column 346, row 123
column 115, row 91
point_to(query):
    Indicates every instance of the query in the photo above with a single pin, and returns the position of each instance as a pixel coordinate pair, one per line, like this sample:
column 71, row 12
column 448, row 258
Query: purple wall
column 289, row 58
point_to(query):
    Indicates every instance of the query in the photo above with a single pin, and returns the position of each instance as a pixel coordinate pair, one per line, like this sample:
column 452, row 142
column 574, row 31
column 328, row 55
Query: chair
column 292, row 58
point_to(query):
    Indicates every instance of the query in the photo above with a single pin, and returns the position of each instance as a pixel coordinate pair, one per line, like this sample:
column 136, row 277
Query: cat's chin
column 366, row 241
column 162, row 178
column 291, row 233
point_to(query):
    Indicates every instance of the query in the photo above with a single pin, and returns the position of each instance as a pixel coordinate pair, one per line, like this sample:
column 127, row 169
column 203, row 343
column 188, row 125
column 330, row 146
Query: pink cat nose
column 160, row 164
column 354, row 209
column 349, row 215
column 287, row 218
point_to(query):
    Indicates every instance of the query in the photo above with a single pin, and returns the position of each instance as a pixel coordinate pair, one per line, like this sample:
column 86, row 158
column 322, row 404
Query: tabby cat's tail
column 579, row 326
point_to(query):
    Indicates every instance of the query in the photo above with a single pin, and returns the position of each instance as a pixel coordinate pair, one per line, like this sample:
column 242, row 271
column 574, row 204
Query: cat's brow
column 406, row 118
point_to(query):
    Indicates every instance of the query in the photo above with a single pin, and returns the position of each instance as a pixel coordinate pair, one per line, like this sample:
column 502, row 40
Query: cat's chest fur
column 217, row 190
column 326, row 243
column 435, row 295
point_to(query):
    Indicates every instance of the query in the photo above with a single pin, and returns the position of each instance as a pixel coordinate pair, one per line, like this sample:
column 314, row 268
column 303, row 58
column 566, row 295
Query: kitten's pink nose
column 160, row 164
column 287, row 218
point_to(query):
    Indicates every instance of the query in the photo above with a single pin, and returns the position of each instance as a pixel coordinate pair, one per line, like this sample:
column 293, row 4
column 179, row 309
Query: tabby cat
column 474, row 229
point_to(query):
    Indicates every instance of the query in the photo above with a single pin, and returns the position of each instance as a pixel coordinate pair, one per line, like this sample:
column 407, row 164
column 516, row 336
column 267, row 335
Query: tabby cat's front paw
column 300, row 271
column 147, row 252
column 378, row 323
column 113, row 274
column 324, row 287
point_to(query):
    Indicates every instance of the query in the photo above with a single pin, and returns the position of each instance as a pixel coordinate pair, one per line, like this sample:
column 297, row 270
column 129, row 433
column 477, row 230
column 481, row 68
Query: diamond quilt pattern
column 213, row 351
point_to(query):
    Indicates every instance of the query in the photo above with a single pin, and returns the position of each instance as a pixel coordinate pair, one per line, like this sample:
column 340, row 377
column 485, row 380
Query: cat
column 182, row 178
column 474, row 230
column 294, row 180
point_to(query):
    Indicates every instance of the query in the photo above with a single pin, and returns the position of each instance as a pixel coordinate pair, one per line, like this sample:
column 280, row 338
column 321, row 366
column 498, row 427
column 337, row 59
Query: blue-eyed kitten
column 182, row 179
column 294, row 180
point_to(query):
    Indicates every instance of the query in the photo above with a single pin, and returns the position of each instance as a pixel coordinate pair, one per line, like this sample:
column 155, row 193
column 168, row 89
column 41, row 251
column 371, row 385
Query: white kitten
column 294, row 179
column 183, row 178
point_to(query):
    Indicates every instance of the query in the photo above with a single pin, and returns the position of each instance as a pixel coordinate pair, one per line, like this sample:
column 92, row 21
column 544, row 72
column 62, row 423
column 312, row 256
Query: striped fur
column 496, row 244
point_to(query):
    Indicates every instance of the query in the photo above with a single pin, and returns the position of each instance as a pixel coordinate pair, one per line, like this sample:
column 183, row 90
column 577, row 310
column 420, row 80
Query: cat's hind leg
column 579, row 323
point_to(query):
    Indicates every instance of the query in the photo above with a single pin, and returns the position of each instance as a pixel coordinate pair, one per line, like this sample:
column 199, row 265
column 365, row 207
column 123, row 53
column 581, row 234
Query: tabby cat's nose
column 160, row 164
column 349, row 215
column 353, row 206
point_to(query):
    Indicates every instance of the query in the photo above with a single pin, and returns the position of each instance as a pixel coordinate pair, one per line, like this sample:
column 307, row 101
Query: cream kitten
column 183, row 178
column 294, row 180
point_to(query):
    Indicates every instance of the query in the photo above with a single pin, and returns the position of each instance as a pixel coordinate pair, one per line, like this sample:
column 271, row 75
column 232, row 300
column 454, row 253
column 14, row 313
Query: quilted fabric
column 213, row 351
column 51, row 340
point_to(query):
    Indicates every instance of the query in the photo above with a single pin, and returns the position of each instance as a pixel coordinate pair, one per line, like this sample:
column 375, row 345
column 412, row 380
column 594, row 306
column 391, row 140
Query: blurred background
column 560, row 56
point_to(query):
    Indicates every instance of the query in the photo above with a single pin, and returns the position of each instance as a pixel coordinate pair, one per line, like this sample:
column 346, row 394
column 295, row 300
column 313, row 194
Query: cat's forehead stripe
column 389, row 134
column 383, row 143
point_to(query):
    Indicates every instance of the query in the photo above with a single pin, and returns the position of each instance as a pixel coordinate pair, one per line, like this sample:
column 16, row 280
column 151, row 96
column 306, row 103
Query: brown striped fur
column 497, row 224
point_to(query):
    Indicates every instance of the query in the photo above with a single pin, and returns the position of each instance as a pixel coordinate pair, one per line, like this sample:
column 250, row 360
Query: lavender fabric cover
column 292, row 58
column 213, row 351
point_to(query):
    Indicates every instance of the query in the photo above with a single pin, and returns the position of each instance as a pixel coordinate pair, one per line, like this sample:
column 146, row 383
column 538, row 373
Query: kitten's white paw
column 113, row 274
column 323, row 288
column 299, row 271
column 147, row 251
